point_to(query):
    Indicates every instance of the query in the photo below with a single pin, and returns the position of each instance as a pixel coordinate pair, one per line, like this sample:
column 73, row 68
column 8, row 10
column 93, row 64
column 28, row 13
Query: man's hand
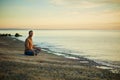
column 38, row 48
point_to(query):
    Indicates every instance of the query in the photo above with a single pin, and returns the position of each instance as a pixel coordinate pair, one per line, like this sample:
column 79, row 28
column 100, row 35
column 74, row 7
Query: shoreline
column 98, row 64
column 82, row 59
column 11, row 52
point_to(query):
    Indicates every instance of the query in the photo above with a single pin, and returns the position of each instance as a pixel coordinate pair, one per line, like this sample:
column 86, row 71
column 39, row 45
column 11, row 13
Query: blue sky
column 60, row 14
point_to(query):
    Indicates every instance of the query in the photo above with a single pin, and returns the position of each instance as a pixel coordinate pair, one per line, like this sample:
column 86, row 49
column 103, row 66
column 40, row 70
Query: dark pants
column 31, row 52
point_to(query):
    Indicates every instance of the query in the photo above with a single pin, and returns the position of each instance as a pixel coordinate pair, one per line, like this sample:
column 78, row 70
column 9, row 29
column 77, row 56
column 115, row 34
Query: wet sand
column 14, row 65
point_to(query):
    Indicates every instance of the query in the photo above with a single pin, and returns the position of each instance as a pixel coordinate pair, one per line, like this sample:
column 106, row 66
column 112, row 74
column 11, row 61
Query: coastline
column 46, row 66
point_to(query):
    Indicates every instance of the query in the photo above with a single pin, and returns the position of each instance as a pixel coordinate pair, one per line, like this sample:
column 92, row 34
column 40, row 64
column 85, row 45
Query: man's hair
column 30, row 31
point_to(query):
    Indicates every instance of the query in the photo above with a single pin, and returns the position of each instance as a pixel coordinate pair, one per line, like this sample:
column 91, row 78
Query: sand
column 14, row 65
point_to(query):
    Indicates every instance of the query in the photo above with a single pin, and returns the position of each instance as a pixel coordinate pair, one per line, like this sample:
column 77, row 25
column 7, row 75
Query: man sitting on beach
column 29, row 48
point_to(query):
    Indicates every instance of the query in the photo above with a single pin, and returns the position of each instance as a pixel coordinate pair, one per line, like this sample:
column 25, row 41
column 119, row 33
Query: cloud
column 89, row 7
column 84, row 3
column 110, row 1
column 74, row 3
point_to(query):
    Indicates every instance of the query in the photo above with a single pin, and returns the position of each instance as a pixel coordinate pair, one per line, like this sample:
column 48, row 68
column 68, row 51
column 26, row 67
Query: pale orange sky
column 60, row 14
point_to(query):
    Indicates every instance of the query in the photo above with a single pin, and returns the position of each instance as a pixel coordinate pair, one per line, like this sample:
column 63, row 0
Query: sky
column 60, row 14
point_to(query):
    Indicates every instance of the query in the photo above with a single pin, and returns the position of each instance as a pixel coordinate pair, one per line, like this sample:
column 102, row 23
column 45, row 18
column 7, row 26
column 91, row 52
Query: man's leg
column 36, row 51
column 30, row 52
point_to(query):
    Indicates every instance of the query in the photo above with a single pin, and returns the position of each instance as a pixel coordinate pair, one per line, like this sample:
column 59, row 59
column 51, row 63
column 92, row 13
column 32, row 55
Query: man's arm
column 38, row 48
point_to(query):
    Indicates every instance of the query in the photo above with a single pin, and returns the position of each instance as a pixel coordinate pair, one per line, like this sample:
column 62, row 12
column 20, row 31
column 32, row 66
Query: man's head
column 30, row 33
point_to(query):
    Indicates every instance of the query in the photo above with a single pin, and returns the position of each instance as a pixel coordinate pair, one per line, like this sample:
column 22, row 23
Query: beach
column 14, row 65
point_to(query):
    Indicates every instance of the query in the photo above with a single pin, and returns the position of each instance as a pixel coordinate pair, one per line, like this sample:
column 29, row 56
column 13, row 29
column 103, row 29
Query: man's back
column 28, row 44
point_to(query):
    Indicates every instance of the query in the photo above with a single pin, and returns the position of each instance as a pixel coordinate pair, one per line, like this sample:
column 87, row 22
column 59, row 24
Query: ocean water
column 99, row 45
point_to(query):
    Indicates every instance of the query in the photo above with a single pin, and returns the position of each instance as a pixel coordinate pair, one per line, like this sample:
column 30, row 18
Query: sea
column 102, row 46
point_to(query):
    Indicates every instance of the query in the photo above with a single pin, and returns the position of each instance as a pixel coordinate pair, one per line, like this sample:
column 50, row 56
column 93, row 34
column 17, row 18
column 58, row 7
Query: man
column 29, row 48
